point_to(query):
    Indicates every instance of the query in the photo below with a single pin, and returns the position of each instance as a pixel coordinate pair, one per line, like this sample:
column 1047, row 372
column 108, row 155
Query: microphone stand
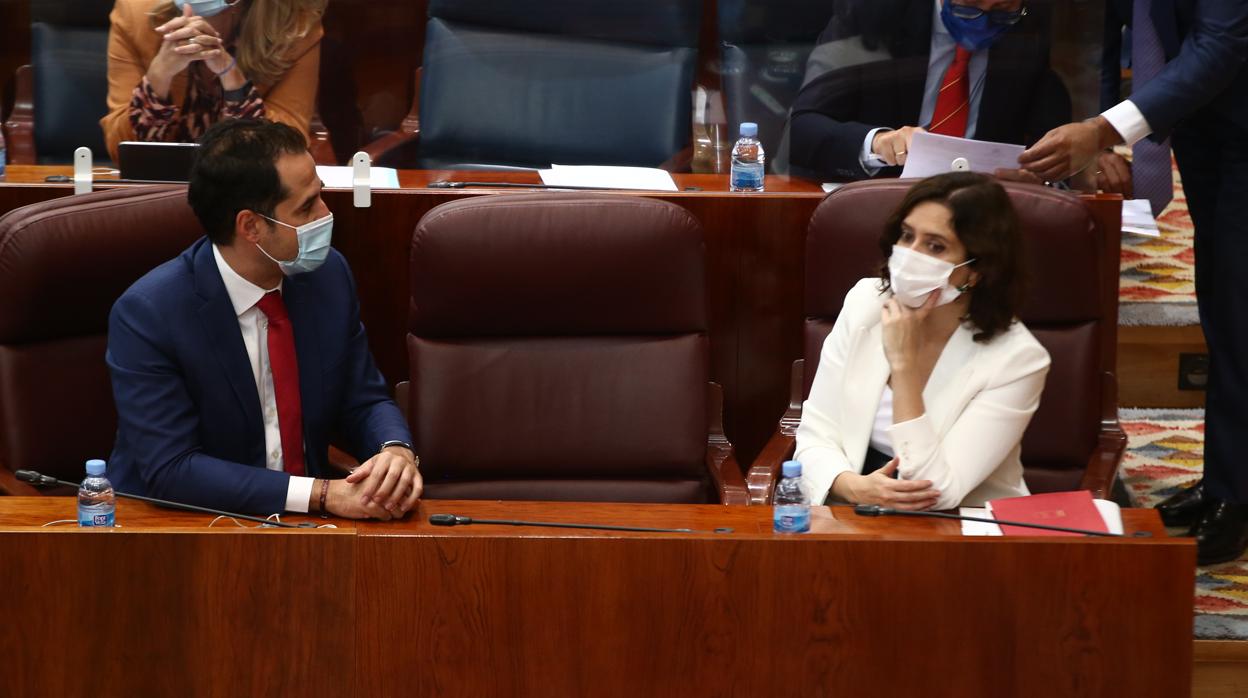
column 877, row 510
column 455, row 520
column 41, row 480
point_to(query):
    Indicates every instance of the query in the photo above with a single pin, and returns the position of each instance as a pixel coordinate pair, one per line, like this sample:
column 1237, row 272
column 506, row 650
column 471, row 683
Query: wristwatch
column 404, row 444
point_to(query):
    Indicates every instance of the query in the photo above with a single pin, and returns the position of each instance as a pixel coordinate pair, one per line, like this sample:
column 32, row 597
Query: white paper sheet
column 933, row 154
column 1137, row 217
column 340, row 177
column 608, row 177
column 1111, row 513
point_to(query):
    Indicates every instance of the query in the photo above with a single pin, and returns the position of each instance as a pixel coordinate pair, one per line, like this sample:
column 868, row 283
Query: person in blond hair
column 176, row 67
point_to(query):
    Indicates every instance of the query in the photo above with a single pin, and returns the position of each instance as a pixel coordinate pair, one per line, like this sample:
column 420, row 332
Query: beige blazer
column 979, row 400
column 132, row 45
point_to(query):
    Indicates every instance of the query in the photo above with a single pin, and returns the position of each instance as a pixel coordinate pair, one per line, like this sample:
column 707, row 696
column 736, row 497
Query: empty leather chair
column 62, row 94
column 558, row 350
column 526, row 84
column 62, row 265
column 1074, row 440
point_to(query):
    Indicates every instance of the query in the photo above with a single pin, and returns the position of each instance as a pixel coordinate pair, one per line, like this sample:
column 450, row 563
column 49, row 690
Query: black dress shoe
column 1221, row 533
column 1183, row 508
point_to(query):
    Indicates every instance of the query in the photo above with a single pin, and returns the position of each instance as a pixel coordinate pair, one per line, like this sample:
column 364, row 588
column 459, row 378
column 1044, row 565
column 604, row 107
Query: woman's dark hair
column 985, row 222
column 235, row 169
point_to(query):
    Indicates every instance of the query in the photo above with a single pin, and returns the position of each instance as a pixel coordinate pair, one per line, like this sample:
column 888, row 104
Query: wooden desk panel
column 130, row 613
column 873, row 606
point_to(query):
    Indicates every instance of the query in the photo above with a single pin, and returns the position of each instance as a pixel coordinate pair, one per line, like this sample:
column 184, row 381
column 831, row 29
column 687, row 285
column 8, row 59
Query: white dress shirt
column 880, row 438
column 1128, row 121
column 254, row 326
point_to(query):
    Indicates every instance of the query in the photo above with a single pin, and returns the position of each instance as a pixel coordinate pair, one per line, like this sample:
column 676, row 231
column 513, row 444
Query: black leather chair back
column 70, row 62
column 527, row 84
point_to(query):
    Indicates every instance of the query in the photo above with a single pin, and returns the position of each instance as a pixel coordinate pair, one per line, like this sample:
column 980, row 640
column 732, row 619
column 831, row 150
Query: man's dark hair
column 986, row 224
column 235, row 169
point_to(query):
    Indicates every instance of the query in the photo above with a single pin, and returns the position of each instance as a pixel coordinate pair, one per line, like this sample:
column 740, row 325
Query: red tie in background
column 953, row 100
column 285, row 370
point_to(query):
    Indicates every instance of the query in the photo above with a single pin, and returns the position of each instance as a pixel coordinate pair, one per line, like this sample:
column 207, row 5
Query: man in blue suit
column 234, row 363
column 1198, row 97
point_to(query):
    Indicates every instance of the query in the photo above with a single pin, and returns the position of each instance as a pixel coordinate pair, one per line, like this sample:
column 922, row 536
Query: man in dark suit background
column 881, row 67
column 233, row 363
column 1195, row 91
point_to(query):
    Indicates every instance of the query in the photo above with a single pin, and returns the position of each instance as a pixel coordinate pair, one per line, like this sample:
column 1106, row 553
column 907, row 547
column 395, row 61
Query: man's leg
column 1217, row 159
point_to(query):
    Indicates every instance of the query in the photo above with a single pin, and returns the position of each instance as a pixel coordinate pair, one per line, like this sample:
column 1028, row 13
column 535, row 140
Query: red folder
column 1068, row 509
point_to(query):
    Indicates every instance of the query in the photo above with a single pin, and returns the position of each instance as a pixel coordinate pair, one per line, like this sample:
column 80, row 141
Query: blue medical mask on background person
column 206, row 8
column 978, row 33
column 314, row 239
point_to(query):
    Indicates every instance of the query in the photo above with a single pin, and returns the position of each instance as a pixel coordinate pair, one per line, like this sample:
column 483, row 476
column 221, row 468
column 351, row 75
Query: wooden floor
column 1220, row 669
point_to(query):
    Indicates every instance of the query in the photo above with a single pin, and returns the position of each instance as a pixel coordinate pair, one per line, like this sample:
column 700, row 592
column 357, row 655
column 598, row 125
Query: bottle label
column 747, row 176
column 791, row 518
column 95, row 518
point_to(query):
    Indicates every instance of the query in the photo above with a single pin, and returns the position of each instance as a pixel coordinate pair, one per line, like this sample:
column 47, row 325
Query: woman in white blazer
column 928, row 380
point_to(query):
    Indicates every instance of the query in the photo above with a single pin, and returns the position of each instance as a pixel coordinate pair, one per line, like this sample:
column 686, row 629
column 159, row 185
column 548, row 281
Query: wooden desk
column 870, row 606
column 755, row 249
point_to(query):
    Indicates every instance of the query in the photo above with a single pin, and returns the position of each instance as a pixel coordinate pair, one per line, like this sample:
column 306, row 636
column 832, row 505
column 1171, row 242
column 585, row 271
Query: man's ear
column 248, row 225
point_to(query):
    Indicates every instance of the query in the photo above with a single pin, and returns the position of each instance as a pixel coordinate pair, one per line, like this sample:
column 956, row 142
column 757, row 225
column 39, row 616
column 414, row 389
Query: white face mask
column 914, row 275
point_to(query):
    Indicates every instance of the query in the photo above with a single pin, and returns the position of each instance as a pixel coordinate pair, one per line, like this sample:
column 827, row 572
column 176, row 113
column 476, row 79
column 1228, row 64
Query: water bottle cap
column 749, row 129
column 791, row 468
column 95, row 466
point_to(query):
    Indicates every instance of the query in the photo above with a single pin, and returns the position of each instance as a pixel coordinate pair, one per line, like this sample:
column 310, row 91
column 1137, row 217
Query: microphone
column 455, row 520
column 41, row 480
column 877, row 510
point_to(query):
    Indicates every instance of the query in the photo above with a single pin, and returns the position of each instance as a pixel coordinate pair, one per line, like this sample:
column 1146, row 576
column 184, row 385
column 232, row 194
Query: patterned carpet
column 1165, row 454
column 1156, row 286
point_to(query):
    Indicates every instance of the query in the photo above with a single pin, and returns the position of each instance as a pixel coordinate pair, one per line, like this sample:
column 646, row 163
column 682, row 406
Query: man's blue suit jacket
column 1206, row 45
column 189, row 422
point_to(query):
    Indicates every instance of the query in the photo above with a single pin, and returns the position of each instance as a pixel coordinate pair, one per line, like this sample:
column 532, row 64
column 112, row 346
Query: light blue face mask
column 314, row 239
column 206, row 8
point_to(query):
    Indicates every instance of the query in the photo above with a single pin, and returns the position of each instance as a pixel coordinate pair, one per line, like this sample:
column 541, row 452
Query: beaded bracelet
column 324, row 491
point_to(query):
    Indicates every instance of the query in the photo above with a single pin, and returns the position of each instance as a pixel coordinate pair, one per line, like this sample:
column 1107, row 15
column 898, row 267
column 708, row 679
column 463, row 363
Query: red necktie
column 285, row 369
column 953, row 100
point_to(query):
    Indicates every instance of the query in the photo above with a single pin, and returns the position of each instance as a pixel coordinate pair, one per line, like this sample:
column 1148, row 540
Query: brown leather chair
column 62, row 265
column 1074, row 440
column 558, row 350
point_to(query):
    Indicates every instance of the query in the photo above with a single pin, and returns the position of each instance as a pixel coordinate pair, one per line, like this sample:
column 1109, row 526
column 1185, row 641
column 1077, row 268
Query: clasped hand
column 385, row 487
column 185, row 39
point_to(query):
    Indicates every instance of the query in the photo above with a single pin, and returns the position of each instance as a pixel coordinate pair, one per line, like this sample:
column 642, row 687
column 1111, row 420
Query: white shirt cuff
column 298, row 492
column 1128, row 121
column 871, row 163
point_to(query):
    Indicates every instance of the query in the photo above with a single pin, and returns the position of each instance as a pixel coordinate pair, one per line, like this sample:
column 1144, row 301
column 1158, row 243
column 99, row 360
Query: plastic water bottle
column 96, row 500
column 746, row 173
column 791, row 513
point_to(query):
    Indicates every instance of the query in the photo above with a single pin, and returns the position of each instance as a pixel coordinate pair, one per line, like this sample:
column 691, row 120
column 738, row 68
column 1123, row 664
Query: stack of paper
column 933, row 154
column 333, row 177
column 606, row 177
column 1137, row 217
